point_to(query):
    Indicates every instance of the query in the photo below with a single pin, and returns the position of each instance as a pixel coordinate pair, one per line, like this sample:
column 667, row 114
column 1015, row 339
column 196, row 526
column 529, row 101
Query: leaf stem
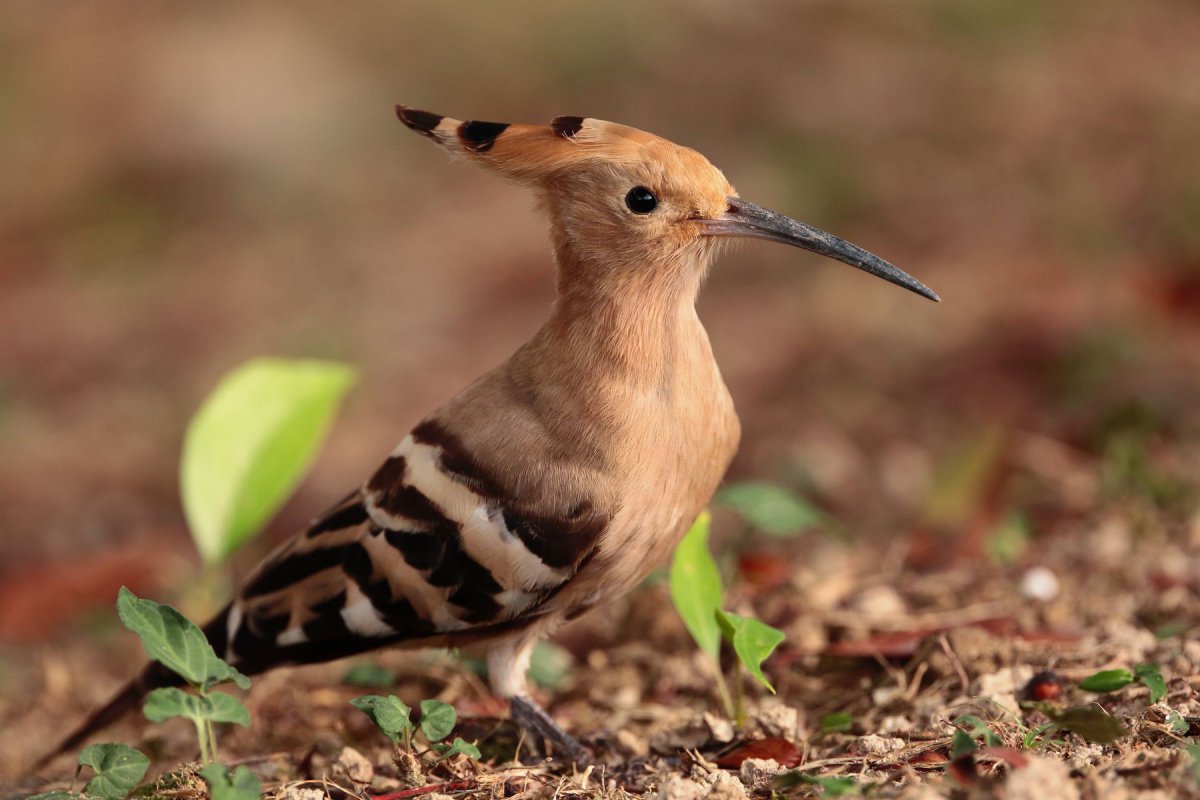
column 212, row 738
column 723, row 691
column 201, row 735
column 739, row 688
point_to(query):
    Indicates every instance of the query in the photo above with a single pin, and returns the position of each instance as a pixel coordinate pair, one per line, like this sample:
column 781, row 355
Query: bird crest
column 532, row 151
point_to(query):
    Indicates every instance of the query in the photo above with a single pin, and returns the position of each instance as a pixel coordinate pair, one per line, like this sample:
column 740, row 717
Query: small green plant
column 829, row 785
column 1031, row 738
column 250, row 443
column 698, row 595
column 1009, row 540
column 118, row 770
column 368, row 675
column 174, row 641
column 836, row 722
column 771, row 509
column 241, row 784
column 970, row 728
column 1111, row 680
column 394, row 720
column 1177, row 723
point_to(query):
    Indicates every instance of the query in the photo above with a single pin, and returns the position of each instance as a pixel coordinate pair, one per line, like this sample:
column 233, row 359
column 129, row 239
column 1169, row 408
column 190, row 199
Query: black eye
column 641, row 200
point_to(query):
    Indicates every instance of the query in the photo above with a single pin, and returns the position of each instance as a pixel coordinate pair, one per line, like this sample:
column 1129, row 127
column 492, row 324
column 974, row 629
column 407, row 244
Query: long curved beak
column 746, row 219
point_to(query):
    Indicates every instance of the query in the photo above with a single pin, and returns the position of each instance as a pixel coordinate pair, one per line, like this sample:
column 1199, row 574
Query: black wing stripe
column 397, row 612
column 291, row 569
column 421, row 550
column 559, row 541
column 327, row 624
column 457, row 461
column 346, row 514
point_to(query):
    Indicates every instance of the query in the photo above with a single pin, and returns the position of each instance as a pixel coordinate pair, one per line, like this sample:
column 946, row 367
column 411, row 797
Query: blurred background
column 188, row 186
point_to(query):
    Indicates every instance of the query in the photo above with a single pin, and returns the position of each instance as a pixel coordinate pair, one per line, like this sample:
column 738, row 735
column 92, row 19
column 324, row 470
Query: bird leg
column 534, row 719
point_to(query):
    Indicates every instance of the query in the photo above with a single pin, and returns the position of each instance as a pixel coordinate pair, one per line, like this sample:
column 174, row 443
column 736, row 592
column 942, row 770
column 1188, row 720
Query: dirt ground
column 1009, row 477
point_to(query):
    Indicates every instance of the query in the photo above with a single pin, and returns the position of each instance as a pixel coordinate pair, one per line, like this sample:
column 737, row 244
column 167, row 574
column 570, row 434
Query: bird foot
column 533, row 718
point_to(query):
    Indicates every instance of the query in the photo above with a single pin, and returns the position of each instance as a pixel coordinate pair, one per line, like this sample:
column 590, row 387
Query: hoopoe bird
column 558, row 480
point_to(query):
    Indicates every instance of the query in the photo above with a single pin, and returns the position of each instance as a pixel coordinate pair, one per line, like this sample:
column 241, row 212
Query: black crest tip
column 423, row 122
column 480, row 136
column 566, row 127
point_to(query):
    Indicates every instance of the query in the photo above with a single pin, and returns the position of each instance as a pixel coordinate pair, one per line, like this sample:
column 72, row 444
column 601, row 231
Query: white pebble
column 1039, row 583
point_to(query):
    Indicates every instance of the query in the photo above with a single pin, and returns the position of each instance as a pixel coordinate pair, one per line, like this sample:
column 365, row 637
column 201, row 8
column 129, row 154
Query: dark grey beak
column 744, row 218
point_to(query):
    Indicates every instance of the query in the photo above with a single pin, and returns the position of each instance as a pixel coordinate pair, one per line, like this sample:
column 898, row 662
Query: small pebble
column 725, row 787
column 756, row 773
column 1039, row 583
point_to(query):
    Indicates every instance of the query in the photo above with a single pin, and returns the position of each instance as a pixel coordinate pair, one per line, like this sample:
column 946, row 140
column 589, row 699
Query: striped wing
column 433, row 549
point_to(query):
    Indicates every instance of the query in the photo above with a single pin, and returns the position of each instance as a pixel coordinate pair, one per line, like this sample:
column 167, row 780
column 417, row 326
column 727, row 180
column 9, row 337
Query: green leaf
column 57, row 794
column 118, row 768
column 770, row 508
column 753, row 641
column 1032, row 736
column 831, row 786
column 1008, row 541
column 837, row 722
column 389, row 714
column 961, row 745
column 1093, row 723
column 241, row 785
column 437, row 719
column 456, row 747
column 162, row 704
column 368, row 675
column 247, row 447
column 978, row 729
column 1151, row 676
column 1109, row 680
column 549, row 665
column 1177, row 723
column 174, row 641
column 696, row 587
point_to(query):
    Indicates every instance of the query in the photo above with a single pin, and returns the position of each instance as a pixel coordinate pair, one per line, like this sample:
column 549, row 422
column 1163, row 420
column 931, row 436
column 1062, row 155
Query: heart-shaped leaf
column 174, row 641
column 458, row 746
column 437, row 719
column 247, row 447
column 389, row 714
column 118, row 768
column 753, row 641
column 242, row 784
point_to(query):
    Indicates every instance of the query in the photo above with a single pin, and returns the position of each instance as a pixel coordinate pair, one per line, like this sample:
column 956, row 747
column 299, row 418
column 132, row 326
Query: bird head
column 620, row 198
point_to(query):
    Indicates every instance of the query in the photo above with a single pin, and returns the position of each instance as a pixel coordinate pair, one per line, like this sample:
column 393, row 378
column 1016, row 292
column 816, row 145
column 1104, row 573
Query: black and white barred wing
column 432, row 550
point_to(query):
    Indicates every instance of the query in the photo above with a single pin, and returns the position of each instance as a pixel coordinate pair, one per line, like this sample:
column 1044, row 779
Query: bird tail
column 127, row 699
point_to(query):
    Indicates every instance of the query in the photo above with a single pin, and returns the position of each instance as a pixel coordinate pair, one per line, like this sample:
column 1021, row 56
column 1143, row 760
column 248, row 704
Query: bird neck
column 634, row 324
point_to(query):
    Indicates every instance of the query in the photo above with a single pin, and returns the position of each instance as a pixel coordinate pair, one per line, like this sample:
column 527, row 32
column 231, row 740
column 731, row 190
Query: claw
column 533, row 718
